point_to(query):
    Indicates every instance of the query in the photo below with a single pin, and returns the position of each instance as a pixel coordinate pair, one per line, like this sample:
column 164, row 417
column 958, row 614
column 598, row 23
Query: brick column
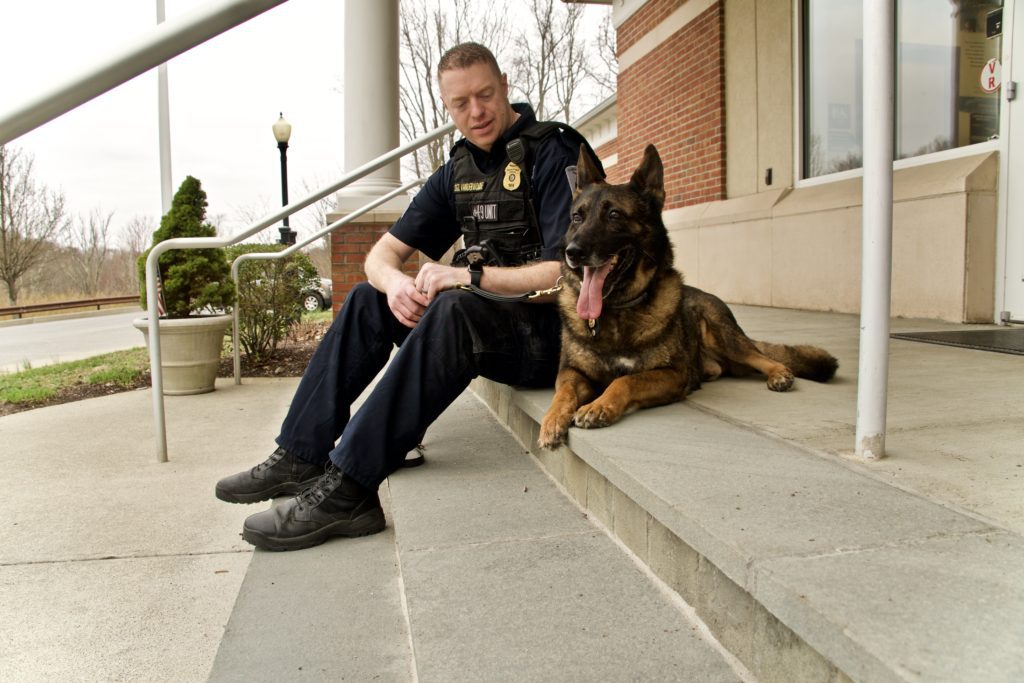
column 349, row 246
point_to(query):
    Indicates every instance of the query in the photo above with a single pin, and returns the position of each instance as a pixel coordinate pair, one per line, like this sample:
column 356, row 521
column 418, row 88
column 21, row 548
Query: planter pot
column 189, row 351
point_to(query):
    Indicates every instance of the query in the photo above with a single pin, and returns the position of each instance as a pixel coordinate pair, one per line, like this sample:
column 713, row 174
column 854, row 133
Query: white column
column 370, row 88
column 876, row 240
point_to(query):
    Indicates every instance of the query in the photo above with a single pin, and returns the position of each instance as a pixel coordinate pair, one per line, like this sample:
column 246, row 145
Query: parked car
column 318, row 298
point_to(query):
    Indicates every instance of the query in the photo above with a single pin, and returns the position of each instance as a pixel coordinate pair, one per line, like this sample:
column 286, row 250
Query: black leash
column 512, row 298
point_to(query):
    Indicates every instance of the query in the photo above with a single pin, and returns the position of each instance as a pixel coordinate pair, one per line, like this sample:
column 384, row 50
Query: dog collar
column 595, row 324
column 632, row 302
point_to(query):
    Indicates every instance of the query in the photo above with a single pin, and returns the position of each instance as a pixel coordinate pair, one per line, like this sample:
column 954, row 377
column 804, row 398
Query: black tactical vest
column 495, row 211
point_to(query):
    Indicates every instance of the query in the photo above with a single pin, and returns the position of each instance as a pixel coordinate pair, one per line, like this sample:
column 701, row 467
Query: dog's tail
column 808, row 362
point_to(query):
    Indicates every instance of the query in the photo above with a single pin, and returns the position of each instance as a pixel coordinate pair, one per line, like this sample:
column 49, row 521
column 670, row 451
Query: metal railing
column 18, row 311
column 216, row 242
column 267, row 256
column 165, row 41
column 151, row 49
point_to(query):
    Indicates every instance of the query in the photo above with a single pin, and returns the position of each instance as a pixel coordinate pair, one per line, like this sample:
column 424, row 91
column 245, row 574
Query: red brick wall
column 674, row 98
column 607, row 149
column 349, row 246
column 641, row 23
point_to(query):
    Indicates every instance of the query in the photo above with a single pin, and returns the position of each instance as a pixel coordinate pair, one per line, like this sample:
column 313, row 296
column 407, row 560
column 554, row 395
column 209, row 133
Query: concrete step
column 804, row 568
column 487, row 571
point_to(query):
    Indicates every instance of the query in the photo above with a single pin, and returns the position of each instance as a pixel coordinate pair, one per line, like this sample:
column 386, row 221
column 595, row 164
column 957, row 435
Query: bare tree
column 135, row 237
column 312, row 220
column 428, row 28
column 137, row 234
column 31, row 218
column 604, row 69
column 91, row 251
column 546, row 49
column 550, row 63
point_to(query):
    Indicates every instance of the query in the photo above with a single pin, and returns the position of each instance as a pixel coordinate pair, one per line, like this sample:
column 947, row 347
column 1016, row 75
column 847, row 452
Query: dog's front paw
column 780, row 381
column 553, row 432
column 596, row 414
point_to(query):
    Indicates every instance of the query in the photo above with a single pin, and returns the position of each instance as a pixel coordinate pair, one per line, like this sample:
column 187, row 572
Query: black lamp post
column 283, row 131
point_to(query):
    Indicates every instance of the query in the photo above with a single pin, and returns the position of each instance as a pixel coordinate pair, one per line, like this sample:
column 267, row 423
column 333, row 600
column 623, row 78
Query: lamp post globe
column 282, row 132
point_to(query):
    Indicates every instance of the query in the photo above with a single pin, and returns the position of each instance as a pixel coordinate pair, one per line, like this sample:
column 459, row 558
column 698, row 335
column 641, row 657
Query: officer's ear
column 587, row 171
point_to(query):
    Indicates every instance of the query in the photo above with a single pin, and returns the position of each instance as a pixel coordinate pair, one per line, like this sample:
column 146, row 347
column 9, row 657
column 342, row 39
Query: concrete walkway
column 115, row 567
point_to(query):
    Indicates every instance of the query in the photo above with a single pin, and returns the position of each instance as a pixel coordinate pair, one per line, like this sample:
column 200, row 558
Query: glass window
column 946, row 82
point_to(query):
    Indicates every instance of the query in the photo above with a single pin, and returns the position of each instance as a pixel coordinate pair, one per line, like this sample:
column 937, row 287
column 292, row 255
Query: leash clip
column 544, row 292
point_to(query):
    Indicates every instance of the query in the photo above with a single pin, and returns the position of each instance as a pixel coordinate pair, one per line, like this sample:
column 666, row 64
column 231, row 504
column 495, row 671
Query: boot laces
column 274, row 458
column 321, row 488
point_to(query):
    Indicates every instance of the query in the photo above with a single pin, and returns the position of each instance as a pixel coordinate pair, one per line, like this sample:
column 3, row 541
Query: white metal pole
column 876, row 250
column 164, row 117
column 165, row 41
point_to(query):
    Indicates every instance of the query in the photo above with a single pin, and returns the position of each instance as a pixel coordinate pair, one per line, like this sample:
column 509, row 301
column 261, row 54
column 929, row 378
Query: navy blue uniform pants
column 461, row 336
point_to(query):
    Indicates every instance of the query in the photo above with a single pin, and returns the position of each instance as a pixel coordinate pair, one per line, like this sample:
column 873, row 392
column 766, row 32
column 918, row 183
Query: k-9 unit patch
column 485, row 212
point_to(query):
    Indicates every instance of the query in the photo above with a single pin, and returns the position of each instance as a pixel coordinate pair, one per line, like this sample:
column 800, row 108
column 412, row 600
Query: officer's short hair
column 465, row 55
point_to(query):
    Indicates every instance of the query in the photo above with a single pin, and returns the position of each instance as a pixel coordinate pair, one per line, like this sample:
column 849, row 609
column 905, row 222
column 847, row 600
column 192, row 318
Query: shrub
column 194, row 281
column 269, row 296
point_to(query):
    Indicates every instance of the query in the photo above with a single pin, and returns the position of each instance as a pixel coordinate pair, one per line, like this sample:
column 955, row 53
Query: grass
column 121, row 368
column 317, row 316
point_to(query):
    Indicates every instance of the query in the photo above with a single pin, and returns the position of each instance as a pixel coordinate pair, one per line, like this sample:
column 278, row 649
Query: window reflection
column 944, row 48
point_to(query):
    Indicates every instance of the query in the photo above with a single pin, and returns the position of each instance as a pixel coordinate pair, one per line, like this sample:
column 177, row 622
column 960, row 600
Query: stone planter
column 189, row 351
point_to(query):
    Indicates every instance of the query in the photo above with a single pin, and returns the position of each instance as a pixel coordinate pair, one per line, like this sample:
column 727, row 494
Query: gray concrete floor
column 955, row 417
column 113, row 566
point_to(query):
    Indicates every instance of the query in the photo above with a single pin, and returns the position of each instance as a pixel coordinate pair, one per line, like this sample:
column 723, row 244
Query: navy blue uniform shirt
column 429, row 224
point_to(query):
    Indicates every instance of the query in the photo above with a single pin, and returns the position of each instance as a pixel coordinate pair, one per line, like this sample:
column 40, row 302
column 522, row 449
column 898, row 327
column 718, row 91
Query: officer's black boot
column 280, row 474
column 333, row 506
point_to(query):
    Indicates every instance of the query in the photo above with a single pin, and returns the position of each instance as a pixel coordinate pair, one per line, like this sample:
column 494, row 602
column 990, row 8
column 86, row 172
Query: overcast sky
column 224, row 97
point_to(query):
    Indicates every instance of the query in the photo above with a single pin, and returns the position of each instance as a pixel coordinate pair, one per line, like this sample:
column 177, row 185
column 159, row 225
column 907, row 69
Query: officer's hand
column 406, row 302
column 434, row 278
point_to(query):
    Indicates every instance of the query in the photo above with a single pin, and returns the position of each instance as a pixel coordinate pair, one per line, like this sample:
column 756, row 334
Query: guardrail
column 19, row 311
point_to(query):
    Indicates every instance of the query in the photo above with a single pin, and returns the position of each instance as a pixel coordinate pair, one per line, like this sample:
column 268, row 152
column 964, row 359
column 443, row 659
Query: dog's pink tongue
column 589, row 304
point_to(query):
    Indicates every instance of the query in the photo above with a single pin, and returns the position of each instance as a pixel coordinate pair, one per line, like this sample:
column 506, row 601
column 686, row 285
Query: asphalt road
column 63, row 339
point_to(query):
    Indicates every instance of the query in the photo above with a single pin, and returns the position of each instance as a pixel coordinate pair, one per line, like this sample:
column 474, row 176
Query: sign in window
column 948, row 79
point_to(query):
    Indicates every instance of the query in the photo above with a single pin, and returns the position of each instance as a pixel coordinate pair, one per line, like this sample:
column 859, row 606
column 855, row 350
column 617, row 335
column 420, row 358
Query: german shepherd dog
column 633, row 335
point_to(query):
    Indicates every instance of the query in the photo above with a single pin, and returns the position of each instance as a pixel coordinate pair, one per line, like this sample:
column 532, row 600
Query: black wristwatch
column 476, row 271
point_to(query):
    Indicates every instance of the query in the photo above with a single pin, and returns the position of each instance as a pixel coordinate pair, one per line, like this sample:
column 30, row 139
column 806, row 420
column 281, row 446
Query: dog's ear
column 587, row 171
column 649, row 178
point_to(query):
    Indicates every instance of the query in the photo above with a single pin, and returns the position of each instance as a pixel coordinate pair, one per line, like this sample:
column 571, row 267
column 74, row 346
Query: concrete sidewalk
column 113, row 566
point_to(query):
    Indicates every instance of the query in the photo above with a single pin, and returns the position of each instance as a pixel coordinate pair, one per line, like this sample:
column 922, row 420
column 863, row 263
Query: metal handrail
column 216, row 242
column 151, row 49
column 267, row 256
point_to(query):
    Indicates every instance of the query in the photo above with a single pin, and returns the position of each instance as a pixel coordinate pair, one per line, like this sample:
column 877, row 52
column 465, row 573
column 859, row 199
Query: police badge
column 513, row 175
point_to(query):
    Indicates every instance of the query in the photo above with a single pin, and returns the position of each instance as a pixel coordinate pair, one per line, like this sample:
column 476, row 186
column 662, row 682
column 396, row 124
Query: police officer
column 506, row 189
